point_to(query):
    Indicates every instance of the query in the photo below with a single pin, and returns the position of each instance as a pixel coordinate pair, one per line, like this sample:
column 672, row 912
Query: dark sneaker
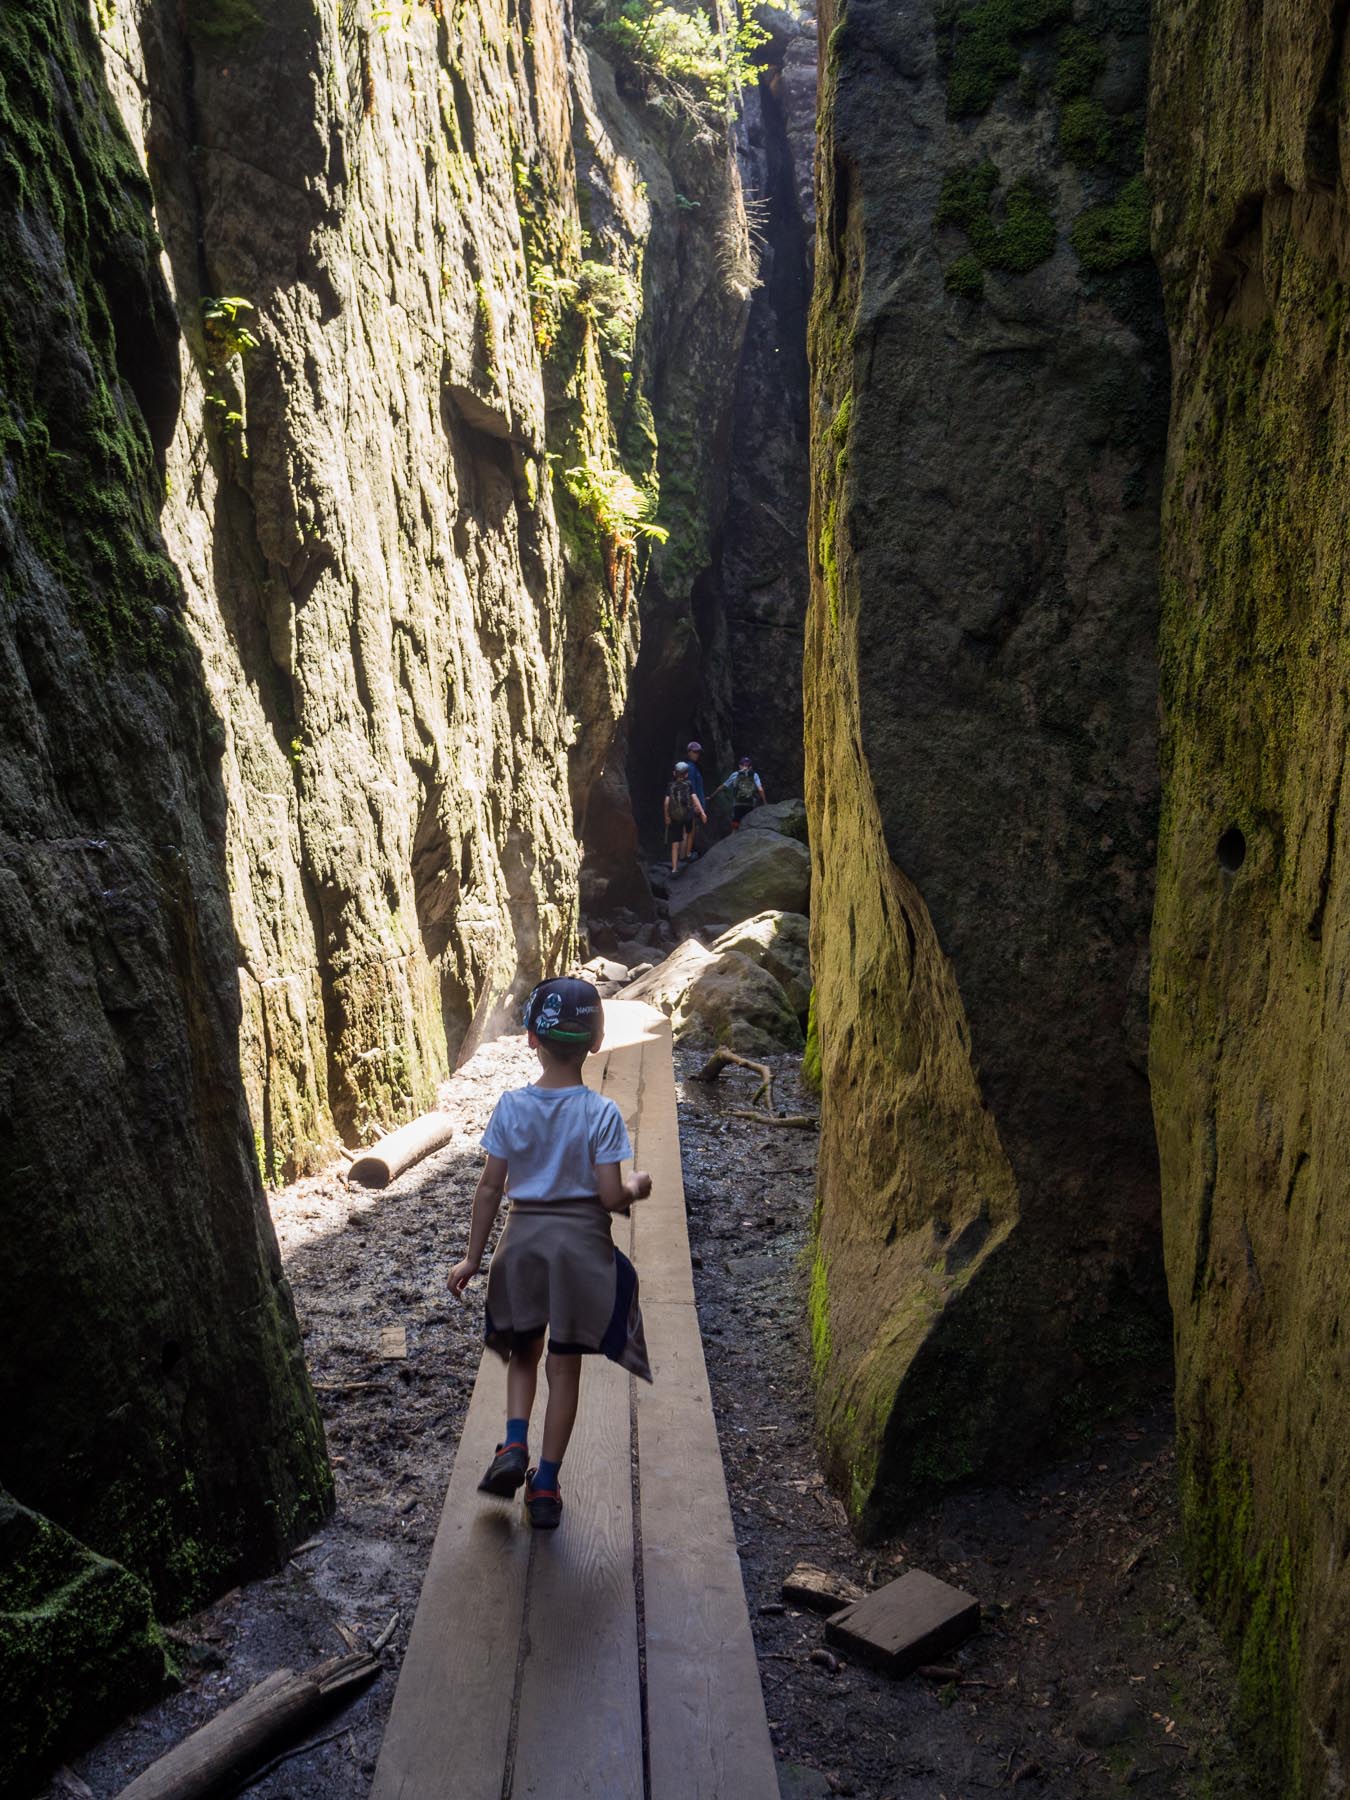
column 506, row 1471
column 544, row 1505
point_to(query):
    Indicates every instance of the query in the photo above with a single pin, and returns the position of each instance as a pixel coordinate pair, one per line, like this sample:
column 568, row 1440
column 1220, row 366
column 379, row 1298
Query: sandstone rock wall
column 989, row 393
column 1251, row 940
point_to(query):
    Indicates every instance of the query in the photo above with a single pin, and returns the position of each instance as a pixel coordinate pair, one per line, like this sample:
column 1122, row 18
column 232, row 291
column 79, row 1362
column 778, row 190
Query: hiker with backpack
column 694, row 751
column 682, row 808
column 747, row 790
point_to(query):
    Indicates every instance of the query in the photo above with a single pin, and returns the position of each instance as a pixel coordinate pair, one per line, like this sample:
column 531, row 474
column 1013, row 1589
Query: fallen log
column 378, row 1166
column 218, row 1756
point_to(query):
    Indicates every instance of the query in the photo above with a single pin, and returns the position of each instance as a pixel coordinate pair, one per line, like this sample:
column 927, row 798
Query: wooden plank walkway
column 611, row 1659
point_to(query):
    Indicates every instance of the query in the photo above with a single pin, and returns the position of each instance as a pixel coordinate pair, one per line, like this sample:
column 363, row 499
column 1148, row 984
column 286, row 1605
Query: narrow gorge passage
column 424, row 425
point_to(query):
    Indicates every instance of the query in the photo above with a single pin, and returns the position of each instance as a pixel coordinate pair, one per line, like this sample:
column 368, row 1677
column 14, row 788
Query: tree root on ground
column 719, row 1060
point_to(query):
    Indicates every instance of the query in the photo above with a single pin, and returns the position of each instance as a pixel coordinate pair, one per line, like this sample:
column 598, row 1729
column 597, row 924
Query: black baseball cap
column 565, row 1010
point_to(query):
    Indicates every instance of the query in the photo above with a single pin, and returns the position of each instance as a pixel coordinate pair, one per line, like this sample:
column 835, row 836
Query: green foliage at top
column 1110, row 236
column 980, row 41
column 682, row 52
column 1027, row 234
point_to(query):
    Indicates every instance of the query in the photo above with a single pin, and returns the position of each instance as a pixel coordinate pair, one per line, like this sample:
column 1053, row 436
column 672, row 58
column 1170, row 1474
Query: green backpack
column 743, row 788
column 680, row 794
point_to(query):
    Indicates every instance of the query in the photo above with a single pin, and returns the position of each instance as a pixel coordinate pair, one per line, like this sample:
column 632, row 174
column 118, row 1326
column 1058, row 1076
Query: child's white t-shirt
column 552, row 1138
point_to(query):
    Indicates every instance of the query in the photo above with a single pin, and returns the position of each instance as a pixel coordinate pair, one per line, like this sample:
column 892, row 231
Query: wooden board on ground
column 452, row 1706
column 907, row 1622
column 523, row 1677
column 708, row 1735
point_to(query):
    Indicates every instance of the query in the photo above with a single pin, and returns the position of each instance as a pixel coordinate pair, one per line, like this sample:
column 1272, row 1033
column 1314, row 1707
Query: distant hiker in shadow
column 694, row 751
column 682, row 808
column 747, row 791
column 555, row 1148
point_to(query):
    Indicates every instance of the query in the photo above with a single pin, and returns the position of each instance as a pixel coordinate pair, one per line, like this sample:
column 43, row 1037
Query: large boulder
column 785, row 816
column 748, row 873
column 720, row 997
column 781, row 943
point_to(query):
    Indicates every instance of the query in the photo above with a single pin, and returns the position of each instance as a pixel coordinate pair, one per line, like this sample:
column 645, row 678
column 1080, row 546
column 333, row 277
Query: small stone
column 1107, row 1718
column 798, row 1782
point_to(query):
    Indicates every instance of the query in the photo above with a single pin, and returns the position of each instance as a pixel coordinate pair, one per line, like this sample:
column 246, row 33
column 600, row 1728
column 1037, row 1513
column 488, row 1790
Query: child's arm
column 699, row 806
column 616, row 1194
column 486, row 1199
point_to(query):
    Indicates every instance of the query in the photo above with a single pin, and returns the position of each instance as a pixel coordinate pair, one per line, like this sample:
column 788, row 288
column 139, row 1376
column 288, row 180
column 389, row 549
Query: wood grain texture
column 450, row 1723
column 907, row 1622
column 579, row 1729
column 709, row 1737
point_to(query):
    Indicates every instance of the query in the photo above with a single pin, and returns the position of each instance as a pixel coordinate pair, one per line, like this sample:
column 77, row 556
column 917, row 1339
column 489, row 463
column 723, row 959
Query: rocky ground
column 1092, row 1673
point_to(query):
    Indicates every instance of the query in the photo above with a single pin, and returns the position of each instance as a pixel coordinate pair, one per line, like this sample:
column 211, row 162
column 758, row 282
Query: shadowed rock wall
column 152, row 1386
column 1251, row 941
column 989, row 393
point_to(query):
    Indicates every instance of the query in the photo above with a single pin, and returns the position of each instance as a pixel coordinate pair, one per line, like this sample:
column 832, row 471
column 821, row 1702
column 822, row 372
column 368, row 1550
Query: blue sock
column 517, row 1431
column 546, row 1475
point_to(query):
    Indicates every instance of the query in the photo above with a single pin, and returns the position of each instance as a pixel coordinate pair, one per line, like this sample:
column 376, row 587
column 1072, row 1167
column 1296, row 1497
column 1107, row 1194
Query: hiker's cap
column 747, row 762
column 565, row 1010
column 694, row 746
column 682, row 768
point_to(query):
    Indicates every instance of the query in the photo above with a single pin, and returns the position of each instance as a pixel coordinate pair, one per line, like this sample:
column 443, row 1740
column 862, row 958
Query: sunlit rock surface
column 1251, row 941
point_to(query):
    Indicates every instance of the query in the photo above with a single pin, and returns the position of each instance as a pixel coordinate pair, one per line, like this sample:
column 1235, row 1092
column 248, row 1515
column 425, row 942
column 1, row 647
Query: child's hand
column 461, row 1275
column 638, row 1185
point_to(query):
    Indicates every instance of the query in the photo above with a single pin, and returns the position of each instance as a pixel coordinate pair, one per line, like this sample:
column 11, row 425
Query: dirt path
column 1093, row 1674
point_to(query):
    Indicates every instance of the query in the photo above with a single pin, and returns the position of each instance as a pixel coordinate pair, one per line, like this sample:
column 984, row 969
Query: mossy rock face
column 79, row 1645
column 1251, row 937
column 980, row 729
column 153, row 1390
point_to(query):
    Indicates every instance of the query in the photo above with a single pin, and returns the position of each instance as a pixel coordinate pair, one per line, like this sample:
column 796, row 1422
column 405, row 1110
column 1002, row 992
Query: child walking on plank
column 555, row 1148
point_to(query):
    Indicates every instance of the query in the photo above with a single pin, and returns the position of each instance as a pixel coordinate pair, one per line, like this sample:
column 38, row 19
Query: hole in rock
column 1232, row 850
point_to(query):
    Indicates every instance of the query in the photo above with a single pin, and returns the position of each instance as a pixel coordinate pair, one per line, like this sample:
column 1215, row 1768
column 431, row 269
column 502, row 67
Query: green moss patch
column 1022, row 238
column 1248, row 1584
column 1111, row 236
column 77, row 449
column 811, row 1070
column 980, row 42
column 1078, row 64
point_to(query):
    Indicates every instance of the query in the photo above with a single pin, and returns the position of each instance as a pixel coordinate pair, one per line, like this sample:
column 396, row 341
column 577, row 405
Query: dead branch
column 718, row 1061
column 795, row 1121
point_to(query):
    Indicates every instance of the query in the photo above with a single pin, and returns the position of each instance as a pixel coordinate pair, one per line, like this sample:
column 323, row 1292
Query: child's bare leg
column 564, row 1388
column 522, row 1378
